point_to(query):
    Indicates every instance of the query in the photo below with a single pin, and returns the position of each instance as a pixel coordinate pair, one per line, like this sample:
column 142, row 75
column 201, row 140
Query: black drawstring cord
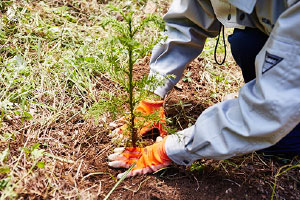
column 215, row 53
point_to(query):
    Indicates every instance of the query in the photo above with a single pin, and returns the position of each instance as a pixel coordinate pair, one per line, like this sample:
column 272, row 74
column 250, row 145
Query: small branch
column 59, row 158
column 99, row 173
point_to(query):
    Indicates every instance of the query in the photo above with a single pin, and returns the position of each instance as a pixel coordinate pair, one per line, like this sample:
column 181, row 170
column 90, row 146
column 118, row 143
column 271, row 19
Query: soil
column 247, row 177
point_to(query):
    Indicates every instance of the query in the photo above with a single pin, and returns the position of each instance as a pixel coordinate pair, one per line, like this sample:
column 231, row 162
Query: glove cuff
column 151, row 103
column 148, row 106
column 162, row 150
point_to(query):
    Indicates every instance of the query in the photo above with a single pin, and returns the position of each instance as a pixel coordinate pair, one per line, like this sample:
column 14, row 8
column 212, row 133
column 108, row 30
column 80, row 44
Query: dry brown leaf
column 150, row 7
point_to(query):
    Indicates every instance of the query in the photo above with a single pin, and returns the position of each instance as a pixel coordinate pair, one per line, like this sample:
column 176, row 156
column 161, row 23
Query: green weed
column 282, row 170
column 187, row 77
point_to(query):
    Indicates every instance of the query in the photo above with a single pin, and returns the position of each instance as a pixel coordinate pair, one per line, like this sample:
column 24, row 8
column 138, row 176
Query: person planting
column 265, row 116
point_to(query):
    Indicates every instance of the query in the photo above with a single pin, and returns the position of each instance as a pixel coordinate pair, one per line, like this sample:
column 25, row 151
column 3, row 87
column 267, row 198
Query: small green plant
column 187, row 77
column 3, row 157
column 4, row 4
column 35, row 153
column 125, row 46
column 7, row 187
column 197, row 167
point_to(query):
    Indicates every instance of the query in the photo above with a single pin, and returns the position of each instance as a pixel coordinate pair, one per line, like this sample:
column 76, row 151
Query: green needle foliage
column 124, row 47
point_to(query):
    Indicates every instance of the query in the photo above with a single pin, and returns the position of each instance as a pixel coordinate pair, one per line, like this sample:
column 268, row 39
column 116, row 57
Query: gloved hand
column 147, row 107
column 148, row 159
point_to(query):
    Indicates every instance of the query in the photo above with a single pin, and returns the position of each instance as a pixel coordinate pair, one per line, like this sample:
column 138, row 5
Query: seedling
column 187, row 77
column 125, row 46
column 197, row 167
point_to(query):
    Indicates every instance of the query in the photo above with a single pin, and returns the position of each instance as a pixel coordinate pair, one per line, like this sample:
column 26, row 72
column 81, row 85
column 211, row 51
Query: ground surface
column 50, row 150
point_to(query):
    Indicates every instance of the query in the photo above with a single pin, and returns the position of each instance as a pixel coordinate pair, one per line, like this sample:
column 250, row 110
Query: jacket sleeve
column 267, row 108
column 188, row 24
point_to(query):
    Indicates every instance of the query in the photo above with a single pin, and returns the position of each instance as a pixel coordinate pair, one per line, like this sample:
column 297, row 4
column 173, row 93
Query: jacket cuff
column 176, row 150
column 163, row 89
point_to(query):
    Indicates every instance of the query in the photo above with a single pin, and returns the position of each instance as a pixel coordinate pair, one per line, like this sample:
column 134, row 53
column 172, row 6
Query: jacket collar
column 245, row 5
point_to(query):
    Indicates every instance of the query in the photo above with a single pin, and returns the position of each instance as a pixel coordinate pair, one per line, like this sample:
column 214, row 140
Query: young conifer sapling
column 125, row 46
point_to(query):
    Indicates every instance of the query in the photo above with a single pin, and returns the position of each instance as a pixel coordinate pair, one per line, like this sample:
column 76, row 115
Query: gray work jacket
column 267, row 108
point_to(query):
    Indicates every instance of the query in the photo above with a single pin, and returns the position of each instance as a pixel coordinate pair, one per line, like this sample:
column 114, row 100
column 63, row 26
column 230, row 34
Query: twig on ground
column 78, row 170
column 59, row 158
column 99, row 189
column 232, row 182
column 139, row 187
column 99, row 173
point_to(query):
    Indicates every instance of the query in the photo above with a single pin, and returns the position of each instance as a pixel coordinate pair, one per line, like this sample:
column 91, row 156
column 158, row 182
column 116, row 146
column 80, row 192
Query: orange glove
column 147, row 107
column 148, row 159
